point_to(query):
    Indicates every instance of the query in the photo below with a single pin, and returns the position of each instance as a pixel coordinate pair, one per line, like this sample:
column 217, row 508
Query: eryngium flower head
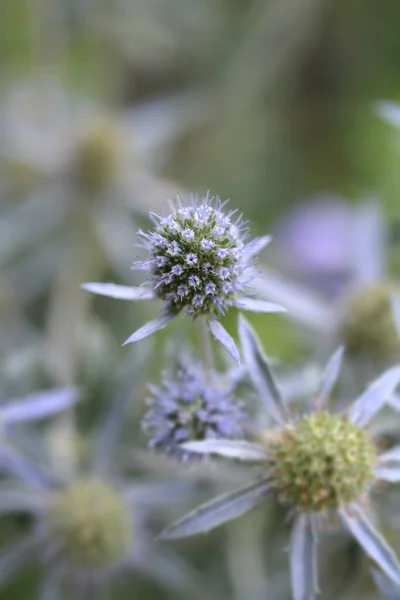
column 92, row 522
column 319, row 463
column 367, row 326
column 196, row 405
column 198, row 263
column 196, row 258
column 323, row 461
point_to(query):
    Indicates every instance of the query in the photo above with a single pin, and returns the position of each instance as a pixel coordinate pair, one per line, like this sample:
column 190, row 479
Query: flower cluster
column 196, row 258
column 191, row 407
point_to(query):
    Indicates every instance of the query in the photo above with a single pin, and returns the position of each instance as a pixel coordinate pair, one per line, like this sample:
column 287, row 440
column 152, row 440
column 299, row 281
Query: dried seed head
column 321, row 462
column 367, row 326
column 92, row 525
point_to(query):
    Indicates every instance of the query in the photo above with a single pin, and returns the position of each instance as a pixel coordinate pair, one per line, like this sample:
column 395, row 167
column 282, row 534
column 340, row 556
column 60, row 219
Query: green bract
column 321, row 462
column 93, row 524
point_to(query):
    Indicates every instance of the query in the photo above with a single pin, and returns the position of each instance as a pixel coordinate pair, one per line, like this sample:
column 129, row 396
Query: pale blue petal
column 122, row 292
column 389, row 112
column 330, row 375
column 235, row 449
column 388, row 589
column 390, row 455
column 372, row 400
column 221, row 334
column 371, row 541
column 260, row 372
column 255, row 246
column 256, row 305
column 388, row 473
column 303, row 561
column 38, row 406
column 396, row 313
column 149, row 328
column 218, row 511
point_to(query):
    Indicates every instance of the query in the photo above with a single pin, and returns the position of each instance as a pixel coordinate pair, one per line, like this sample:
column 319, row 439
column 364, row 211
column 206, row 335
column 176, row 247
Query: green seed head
column 321, row 462
column 97, row 158
column 367, row 326
column 93, row 524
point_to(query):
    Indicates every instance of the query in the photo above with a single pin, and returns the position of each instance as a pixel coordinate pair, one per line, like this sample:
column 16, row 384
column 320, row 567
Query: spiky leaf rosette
column 367, row 325
column 93, row 524
column 193, row 406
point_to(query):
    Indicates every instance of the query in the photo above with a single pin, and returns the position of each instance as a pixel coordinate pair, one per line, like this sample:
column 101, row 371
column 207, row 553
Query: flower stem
column 205, row 345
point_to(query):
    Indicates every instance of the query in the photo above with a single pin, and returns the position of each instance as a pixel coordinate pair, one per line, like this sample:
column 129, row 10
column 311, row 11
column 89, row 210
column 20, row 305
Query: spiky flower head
column 196, row 405
column 92, row 523
column 196, row 257
column 97, row 158
column 321, row 462
column 367, row 326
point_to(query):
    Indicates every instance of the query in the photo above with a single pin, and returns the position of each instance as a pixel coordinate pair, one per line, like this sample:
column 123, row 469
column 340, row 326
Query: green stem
column 205, row 345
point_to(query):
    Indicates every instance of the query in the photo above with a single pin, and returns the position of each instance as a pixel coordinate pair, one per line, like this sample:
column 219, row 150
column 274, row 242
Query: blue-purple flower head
column 196, row 260
column 199, row 264
column 191, row 407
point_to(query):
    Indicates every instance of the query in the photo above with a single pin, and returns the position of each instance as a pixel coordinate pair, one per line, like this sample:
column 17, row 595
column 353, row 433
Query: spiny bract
column 92, row 524
column 196, row 260
column 324, row 461
column 367, row 327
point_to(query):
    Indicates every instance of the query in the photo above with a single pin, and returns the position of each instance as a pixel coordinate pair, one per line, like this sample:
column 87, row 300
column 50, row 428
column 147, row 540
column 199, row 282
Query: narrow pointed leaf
column 122, row 292
column 371, row 541
column 224, row 338
column 228, row 448
column 390, row 455
column 260, row 372
column 388, row 473
column 218, row 511
column 256, row 305
column 256, row 245
column 372, row 400
column 388, row 589
column 38, row 406
column 330, row 375
column 395, row 304
column 303, row 561
column 149, row 328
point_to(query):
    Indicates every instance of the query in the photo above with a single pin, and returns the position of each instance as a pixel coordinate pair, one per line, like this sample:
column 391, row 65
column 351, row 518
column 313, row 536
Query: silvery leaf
column 221, row 334
column 330, row 375
column 303, row 561
column 122, row 292
column 388, row 473
column 260, row 373
column 149, row 328
column 371, row 541
column 218, row 511
column 38, row 406
column 255, row 246
column 388, row 589
column 372, row 400
column 256, row 305
column 236, row 449
column 390, row 455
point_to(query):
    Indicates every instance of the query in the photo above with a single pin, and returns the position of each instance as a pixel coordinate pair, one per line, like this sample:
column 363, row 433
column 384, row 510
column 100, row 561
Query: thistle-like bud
column 191, row 408
column 367, row 326
column 92, row 525
column 97, row 158
column 196, row 258
column 322, row 462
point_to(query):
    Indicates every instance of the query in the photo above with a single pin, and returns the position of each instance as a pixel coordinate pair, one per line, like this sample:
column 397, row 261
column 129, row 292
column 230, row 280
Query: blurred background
column 110, row 107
